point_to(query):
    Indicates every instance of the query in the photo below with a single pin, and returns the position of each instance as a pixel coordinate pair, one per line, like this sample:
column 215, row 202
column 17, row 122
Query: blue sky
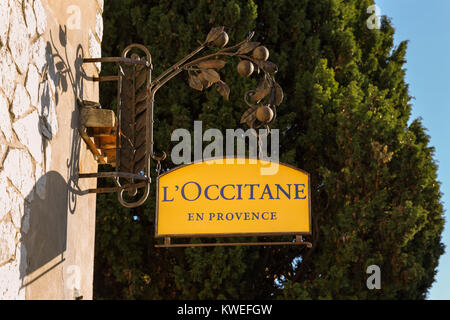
column 426, row 24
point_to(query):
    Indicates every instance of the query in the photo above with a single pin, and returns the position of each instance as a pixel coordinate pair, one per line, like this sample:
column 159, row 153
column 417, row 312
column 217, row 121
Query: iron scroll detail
column 129, row 145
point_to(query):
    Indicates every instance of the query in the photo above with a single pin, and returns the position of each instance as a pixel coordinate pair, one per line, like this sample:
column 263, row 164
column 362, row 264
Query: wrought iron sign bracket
column 126, row 142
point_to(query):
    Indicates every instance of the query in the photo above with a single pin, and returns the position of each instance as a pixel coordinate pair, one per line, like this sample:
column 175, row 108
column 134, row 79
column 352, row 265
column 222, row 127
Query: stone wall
column 46, row 225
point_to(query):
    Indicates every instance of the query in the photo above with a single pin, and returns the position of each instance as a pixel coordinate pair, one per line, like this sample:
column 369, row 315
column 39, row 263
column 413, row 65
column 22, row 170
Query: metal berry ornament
column 253, row 56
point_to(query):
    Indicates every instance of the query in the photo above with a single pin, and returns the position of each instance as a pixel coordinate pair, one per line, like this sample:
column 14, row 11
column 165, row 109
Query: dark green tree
column 375, row 194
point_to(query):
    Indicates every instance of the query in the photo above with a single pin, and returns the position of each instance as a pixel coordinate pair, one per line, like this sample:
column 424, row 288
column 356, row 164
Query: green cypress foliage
column 375, row 194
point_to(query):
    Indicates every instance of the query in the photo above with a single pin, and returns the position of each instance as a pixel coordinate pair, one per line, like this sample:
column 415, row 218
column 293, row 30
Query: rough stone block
column 41, row 17
column 95, row 49
column 16, row 201
column 8, row 73
column 27, row 130
column 12, row 275
column 99, row 25
column 7, row 241
column 19, row 169
column 4, row 22
column 32, row 84
column 30, row 18
column 90, row 117
column 3, row 149
column 5, row 119
column 5, row 204
column 21, row 102
column 38, row 54
column 18, row 40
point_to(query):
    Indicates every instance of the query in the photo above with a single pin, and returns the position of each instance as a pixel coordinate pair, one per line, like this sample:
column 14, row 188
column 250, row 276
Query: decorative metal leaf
column 223, row 89
column 195, row 82
column 206, row 84
column 247, row 47
column 214, row 34
column 210, row 75
column 268, row 66
column 261, row 91
column 249, row 116
column 278, row 94
column 212, row 64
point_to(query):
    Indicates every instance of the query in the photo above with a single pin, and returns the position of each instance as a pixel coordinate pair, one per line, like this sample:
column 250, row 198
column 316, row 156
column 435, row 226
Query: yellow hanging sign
column 233, row 198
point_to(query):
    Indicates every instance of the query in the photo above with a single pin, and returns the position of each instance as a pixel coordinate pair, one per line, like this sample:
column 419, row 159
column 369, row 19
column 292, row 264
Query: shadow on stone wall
column 48, row 205
column 46, row 215
column 65, row 78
